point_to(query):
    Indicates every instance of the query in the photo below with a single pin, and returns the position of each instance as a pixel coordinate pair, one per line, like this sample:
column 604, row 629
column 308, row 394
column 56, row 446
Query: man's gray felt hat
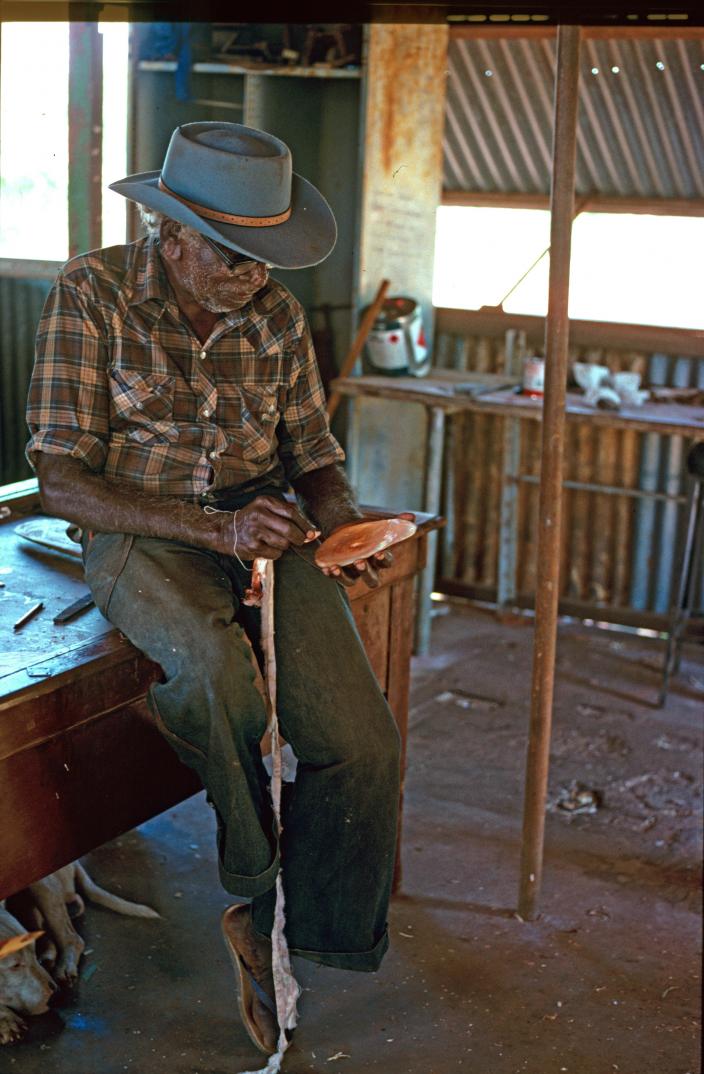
column 236, row 185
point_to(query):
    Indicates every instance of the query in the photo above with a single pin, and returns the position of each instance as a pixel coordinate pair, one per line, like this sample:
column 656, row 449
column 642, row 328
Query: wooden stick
column 359, row 340
column 34, row 610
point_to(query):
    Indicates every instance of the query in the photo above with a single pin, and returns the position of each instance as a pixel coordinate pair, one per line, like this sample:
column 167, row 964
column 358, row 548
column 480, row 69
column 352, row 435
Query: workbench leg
column 447, row 543
column 508, row 528
column 508, row 520
column 431, row 503
column 354, row 420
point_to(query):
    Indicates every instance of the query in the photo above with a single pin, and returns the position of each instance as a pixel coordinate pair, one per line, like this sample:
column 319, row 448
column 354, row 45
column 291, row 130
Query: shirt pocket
column 143, row 405
column 259, row 416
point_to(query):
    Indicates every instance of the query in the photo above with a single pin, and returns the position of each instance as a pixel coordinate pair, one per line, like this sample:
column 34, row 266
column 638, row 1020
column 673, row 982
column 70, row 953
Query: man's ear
column 170, row 239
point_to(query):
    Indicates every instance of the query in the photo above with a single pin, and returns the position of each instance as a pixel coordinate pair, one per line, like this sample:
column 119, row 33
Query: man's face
column 209, row 281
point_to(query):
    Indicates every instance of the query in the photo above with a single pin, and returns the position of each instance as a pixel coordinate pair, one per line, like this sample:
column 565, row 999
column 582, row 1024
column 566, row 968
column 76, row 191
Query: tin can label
column 533, row 375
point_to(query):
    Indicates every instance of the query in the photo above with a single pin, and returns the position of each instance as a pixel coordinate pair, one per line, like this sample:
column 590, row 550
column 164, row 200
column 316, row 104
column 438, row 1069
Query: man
column 172, row 375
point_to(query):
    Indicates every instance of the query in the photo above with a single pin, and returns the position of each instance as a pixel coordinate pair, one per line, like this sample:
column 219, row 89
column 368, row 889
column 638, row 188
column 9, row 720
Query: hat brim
column 305, row 239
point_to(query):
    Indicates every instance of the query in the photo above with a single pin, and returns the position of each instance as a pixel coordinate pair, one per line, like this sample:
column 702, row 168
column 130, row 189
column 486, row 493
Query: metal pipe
column 553, row 435
column 610, row 490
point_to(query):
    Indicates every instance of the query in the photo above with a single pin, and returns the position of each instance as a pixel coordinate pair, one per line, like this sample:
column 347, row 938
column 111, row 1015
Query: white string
column 234, row 547
column 209, row 510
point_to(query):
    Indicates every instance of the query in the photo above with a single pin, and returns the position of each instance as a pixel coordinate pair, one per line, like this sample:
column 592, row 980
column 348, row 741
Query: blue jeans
column 182, row 606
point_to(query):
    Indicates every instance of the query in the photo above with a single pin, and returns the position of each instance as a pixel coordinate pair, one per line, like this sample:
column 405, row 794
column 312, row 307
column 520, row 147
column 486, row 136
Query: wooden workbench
column 81, row 760
column 447, row 391
column 443, row 389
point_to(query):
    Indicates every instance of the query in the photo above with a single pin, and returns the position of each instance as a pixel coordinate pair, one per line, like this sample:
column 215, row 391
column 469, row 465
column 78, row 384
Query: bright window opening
column 34, row 151
column 628, row 268
column 34, row 123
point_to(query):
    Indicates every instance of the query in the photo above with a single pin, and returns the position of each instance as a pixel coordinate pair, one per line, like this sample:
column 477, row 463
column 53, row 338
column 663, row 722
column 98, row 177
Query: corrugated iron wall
column 640, row 125
column 618, row 552
column 21, row 302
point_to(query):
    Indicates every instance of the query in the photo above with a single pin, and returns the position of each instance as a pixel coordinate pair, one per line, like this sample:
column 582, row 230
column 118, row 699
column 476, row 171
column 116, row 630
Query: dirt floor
column 606, row 980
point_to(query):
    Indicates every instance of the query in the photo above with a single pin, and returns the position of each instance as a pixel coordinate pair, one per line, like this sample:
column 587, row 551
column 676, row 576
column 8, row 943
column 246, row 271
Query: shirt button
column 213, row 455
column 139, row 406
column 206, row 413
column 204, row 354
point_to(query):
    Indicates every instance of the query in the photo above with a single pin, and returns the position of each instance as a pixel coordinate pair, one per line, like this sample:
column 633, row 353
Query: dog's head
column 25, row 986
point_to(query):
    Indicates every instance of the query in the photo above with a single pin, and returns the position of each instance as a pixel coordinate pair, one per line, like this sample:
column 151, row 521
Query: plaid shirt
column 122, row 382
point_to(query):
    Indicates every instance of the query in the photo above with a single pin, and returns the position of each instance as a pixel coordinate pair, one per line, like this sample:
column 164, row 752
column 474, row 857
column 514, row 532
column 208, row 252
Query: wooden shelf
column 223, row 68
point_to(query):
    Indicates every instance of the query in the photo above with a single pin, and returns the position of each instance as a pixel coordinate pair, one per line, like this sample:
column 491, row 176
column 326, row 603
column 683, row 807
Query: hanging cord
column 286, row 988
column 578, row 206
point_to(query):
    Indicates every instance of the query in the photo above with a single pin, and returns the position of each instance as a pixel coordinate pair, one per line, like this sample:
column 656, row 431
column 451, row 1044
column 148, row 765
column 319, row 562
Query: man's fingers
column 272, row 521
column 286, row 511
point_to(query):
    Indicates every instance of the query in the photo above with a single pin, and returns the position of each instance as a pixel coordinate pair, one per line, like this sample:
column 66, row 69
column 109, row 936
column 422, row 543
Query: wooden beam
column 657, row 31
column 85, row 108
column 492, row 321
column 592, row 203
column 553, row 436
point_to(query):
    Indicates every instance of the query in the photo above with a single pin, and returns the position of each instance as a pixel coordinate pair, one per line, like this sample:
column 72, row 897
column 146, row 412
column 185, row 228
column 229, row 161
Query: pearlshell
column 359, row 540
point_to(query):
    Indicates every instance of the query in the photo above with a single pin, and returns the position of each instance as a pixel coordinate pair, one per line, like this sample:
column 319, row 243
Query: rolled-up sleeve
column 305, row 440
column 68, row 401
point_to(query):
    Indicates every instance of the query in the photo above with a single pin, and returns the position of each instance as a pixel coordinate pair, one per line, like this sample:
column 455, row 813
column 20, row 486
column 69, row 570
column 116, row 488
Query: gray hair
column 151, row 220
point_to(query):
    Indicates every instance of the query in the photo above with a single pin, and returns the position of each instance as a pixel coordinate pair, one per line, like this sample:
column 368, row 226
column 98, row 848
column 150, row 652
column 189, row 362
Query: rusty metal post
column 85, row 132
column 553, row 431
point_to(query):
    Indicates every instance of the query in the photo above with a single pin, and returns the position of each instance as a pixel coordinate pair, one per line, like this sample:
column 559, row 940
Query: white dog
column 24, row 984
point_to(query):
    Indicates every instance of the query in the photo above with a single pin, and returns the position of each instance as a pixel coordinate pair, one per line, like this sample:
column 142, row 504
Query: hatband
column 227, row 218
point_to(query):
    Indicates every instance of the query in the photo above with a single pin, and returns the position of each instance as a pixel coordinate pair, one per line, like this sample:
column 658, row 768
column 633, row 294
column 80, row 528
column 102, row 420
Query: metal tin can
column 396, row 344
column 533, row 376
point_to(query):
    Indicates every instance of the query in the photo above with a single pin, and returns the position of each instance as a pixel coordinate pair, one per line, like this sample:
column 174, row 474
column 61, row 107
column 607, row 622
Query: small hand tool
column 78, row 606
column 29, row 614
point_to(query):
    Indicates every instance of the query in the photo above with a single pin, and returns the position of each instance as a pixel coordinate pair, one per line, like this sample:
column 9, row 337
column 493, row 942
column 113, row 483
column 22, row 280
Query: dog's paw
column 65, row 971
column 12, row 1027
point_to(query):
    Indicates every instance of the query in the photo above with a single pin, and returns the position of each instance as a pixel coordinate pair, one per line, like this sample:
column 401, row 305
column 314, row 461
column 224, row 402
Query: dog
column 47, row 906
column 25, row 986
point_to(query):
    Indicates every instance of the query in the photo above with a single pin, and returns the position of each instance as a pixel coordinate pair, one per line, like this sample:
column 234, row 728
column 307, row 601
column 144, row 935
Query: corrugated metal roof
column 641, row 116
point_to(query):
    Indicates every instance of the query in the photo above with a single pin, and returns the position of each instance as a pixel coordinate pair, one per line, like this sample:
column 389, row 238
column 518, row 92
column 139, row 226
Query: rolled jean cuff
column 368, row 961
column 249, row 886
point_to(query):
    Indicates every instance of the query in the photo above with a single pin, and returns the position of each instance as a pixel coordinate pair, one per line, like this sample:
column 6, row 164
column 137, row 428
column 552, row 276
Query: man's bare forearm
column 327, row 497
column 70, row 490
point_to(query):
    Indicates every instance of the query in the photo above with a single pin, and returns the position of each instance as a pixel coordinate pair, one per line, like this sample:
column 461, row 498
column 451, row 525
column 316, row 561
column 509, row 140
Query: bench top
column 32, row 657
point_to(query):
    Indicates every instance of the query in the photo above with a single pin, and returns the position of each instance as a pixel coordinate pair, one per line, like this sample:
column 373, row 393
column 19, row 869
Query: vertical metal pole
column 553, row 431
column 431, row 503
column 508, row 522
column 85, row 134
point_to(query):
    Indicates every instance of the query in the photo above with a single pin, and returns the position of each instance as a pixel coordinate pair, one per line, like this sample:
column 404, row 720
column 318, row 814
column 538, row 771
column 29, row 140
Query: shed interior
column 606, row 978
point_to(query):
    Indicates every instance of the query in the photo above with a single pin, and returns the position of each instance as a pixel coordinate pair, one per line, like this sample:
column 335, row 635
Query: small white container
column 533, row 376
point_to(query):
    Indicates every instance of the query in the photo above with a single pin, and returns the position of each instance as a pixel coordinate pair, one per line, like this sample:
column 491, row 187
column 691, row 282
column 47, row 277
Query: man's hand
column 366, row 569
column 267, row 527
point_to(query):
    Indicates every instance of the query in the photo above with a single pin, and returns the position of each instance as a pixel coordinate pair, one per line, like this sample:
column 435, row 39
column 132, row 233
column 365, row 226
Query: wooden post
column 553, row 432
column 85, row 130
